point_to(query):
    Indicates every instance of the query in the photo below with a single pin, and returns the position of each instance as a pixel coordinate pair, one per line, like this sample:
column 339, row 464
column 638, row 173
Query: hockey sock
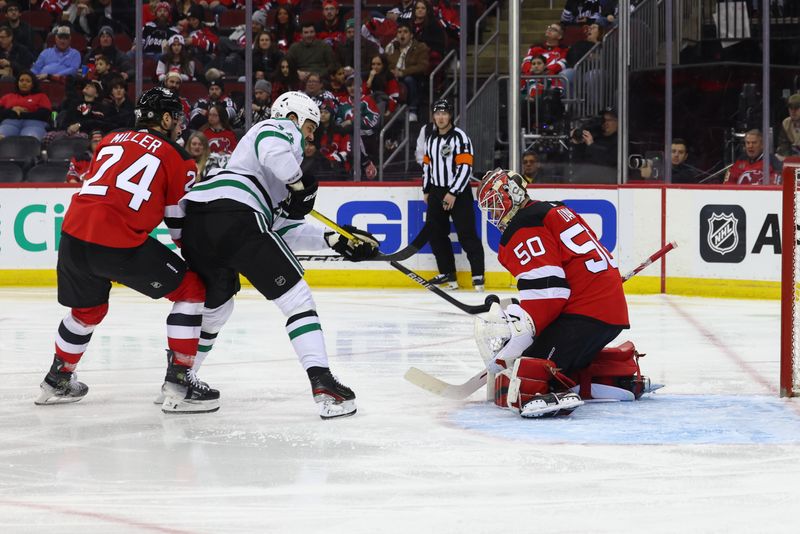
column 183, row 331
column 213, row 321
column 75, row 332
column 305, row 333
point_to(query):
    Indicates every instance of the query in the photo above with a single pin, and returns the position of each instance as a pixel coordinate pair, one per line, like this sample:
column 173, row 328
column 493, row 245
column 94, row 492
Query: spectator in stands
column 788, row 137
column 230, row 50
column 310, row 55
column 448, row 17
column 405, row 11
column 262, row 100
column 594, row 34
column 81, row 115
column 382, row 84
column 121, row 109
column 200, row 39
column 218, row 131
column 266, row 56
column 216, row 95
column 120, row 62
column 317, row 91
column 102, row 73
column 197, row 147
column 156, row 33
column 381, row 30
column 409, row 62
column 26, row 110
column 331, row 28
column 426, row 29
column 587, row 11
column 180, row 10
column 337, row 78
column 79, row 163
column 370, row 118
column 535, row 87
column 682, row 172
column 598, row 149
column 316, row 164
column 175, row 59
column 749, row 170
column 13, row 58
column 285, row 79
column 60, row 59
column 346, row 52
column 77, row 15
column 530, row 167
column 23, row 33
column 173, row 83
column 285, row 30
column 555, row 55
column 332, row 142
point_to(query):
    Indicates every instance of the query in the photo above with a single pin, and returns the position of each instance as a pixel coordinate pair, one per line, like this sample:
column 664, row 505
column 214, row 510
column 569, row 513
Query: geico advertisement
column 726, row 234
column 30, row 222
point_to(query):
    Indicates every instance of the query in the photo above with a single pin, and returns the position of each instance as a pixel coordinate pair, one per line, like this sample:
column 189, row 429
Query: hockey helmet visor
column 500, row 194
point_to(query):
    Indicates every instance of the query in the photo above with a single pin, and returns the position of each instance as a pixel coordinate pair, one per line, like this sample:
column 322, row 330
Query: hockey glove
column 502, row 336
column 364, row 248
column 300, row 201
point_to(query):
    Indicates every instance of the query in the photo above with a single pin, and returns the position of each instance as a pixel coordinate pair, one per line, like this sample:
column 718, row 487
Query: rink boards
column 728, row 239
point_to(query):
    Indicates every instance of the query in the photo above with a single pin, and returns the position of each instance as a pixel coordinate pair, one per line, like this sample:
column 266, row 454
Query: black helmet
column 442, row 105
column 155, row 102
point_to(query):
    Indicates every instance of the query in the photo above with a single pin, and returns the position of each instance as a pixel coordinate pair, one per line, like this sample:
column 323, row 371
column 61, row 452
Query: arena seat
column 65, row 148
column 47, row 172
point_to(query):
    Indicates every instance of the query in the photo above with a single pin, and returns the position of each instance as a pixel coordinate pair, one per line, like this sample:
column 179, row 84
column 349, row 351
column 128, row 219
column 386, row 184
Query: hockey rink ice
column 714, row 451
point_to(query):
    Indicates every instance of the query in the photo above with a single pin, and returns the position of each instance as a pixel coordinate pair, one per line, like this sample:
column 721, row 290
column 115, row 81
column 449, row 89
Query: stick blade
column 441, row 388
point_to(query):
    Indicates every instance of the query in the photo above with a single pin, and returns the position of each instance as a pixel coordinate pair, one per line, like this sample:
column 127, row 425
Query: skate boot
column 60, row 387
column 334, row 398
column 444, row 281
column 550, row 405
column 478, row 283
column 185, row 393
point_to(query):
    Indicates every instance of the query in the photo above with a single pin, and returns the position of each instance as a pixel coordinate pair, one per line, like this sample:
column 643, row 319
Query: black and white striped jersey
column 447, row 161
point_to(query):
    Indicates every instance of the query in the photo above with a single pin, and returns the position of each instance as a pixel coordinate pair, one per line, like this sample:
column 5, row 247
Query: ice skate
column 185, row 393
column 444, row 281
column 550, row 405
column 478, row 283
column 59, row 387
column 333, row 398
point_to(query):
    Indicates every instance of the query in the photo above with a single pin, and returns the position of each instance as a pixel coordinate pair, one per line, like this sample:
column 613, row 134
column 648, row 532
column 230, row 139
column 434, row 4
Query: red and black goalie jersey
column 135, row 181
column 561, row 267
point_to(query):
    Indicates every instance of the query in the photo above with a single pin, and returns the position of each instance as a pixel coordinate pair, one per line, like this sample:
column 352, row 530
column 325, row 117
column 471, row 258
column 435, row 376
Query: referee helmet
column 442, row 105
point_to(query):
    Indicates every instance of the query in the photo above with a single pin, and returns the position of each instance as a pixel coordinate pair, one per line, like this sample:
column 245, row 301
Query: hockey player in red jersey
column 571, row 302
column 134, row 182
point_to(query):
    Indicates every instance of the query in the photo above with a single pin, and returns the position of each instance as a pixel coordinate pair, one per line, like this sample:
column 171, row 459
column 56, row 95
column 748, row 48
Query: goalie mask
column 500, row 195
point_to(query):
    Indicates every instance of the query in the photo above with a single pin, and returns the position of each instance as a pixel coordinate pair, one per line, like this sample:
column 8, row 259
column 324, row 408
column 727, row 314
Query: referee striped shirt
column 447, row 161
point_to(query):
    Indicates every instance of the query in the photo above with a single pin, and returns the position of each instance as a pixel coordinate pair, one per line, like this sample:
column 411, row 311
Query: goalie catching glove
column 502, row 336
column 364, row 247
column 300, row 201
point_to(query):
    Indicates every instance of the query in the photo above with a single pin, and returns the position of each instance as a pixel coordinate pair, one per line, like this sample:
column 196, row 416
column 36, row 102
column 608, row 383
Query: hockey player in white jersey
column 247, row 218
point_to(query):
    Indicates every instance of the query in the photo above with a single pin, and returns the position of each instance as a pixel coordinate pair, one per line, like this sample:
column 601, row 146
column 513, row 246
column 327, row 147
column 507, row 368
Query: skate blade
column 162, row 396
column 182, row 406
column 330, row 409
column 48, row 397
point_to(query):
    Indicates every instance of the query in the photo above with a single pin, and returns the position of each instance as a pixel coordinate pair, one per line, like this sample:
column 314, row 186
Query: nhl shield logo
column 723, row 233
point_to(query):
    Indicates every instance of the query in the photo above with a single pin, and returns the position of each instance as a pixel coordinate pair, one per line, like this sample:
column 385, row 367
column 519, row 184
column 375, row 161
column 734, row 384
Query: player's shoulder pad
column 178, row 148
column 531, row 215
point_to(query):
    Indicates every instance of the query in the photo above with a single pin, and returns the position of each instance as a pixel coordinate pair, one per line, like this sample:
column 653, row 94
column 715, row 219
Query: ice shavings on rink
column 655, row 420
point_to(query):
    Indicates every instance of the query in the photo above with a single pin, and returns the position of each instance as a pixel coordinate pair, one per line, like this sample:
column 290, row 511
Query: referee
column 446, row 171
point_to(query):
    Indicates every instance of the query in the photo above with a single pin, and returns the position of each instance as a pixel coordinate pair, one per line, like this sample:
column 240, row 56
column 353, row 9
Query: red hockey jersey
column 134, row 182
column 561, row 267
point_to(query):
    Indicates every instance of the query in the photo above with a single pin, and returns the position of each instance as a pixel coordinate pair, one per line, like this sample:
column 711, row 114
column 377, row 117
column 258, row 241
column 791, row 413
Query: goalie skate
column 333, row 398
column 61, row 388
column 550, row 405
column 185, row 393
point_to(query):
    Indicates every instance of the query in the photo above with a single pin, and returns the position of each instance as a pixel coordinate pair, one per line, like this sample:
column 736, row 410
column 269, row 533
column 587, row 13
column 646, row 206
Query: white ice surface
column 714, row 451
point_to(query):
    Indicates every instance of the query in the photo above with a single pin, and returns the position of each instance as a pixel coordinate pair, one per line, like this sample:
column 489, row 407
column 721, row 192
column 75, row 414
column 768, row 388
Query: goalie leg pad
column 617, row 367
column 529, row 378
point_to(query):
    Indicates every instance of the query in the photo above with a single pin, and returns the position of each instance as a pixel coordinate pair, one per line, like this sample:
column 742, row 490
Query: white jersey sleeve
column 279, row 147
column 301, row 235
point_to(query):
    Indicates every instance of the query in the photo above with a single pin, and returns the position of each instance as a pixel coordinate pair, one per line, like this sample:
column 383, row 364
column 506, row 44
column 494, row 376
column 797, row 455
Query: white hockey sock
column 303, row 326
column 213, row 321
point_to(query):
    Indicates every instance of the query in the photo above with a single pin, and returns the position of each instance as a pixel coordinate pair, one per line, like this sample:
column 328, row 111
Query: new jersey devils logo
column 722, row 234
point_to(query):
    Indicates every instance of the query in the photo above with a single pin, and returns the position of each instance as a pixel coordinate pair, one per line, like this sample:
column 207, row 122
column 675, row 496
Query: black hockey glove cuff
column 365, row 248
column 299, row 202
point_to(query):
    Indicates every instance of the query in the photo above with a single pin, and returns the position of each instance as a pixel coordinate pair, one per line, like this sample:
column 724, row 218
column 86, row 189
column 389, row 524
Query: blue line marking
column 654, row 420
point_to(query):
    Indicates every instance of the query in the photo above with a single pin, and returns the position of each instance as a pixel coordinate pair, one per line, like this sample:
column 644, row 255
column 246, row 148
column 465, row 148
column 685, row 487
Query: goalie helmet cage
column 790, row 277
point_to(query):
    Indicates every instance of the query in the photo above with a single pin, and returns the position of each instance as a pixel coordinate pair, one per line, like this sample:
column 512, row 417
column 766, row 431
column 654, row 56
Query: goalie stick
column 400, row 255
column 441, row 388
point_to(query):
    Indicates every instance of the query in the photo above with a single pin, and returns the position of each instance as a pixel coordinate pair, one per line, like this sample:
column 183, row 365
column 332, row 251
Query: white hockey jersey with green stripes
column 264, row 162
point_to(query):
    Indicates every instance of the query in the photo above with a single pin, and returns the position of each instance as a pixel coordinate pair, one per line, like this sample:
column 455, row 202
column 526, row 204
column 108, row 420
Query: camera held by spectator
column 652, row 162
column 593, row 125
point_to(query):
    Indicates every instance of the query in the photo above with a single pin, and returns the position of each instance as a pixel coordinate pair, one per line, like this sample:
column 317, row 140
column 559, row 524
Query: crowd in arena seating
column 68, row 68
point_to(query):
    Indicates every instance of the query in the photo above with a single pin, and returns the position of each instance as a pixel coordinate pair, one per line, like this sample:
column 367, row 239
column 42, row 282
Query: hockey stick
column 470, row 309
column 400, row 255
column 461, row 391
